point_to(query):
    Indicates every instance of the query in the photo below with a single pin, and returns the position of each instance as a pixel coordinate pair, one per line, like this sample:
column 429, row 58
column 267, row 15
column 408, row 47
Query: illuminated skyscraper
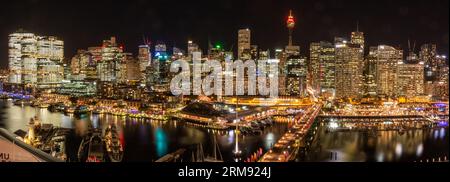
column 387, row 59
column 442, row 76
column 358, row 37
column 349, row 69
column 370, row 85
column 296, row 76
column 244, row 38
column 428, row 55
column 35, row 60
column 144, row 59
column 322, row 66
column 158, row 76
column 410, row 79
column 133, row 69
column 80, row 62
column 22, row 57
column 108, row 68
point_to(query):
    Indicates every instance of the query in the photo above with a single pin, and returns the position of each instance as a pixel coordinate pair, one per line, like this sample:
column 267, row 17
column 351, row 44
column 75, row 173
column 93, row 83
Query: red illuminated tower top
column 290, row 23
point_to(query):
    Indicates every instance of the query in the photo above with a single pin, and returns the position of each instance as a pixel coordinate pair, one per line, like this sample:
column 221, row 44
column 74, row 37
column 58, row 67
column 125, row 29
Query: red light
column 290, row 19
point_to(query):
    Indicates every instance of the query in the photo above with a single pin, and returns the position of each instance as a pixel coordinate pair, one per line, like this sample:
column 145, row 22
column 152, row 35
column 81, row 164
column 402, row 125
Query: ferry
column 99, row 110
column 22, row 102
column 69, row 110
column 113, row 146
column 43, row 105
column 217, row 126
column 57, row 107
column 82, row 109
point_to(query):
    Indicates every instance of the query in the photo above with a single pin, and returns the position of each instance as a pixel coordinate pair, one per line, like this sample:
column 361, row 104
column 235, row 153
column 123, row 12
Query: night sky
column 84, row 23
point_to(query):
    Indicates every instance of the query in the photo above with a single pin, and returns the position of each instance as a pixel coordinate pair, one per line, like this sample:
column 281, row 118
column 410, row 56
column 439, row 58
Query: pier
column 287, row 147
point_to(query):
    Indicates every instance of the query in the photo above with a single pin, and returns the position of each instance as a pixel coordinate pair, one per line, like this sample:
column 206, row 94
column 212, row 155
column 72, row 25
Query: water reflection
column 270, row 140
column 383, row 146
column 143, row 140
column 161, row 142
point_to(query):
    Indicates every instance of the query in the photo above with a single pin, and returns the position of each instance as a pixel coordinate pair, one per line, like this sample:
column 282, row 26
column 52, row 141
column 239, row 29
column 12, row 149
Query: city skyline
column 225, row 81
column 310, row 16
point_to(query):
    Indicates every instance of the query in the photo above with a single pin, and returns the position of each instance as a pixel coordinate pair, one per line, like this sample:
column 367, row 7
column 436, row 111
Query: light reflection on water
column 149, row 140
column 413, row 145
column 161, row 142
column 143, row 140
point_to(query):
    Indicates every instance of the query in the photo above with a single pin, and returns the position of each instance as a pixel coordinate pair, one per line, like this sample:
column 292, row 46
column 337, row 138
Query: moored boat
column 96, row 148
column 82, row 109
column 113, row 146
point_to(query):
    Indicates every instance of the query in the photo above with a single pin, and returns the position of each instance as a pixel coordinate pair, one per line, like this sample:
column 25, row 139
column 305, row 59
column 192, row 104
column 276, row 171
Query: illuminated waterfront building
column 50, row 55
column 387, row 59
column 296, row 76
column 322, row 66
column 436, row 71
column 158, row 75
column 440, row 85
column 49, row 74
column 244, row 38
column 370, row 71
column 109, row 64
column 349, row 69
column 145, row 60
column 133, row 69
column 77, row 88
column 80, row 62
column 428, row 55
column 22, row 45
column 35, row 60
column 410, row 78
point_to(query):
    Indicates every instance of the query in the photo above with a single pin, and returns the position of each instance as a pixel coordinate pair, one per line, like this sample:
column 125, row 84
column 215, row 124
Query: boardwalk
column 287, row 147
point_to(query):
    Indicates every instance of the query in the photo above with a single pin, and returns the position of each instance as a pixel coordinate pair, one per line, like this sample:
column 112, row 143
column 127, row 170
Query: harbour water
column 146, row 140
column 143, row 140
column 382, row 146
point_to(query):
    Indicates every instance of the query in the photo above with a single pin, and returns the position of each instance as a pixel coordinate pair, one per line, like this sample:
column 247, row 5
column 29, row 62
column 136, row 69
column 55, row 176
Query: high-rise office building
column 145, row 61
column 133, row 69
column 387, row 59
column 244, row 38
column 108, row 68
column 349, row 69
column 441, row 80
column 322, row 66
column 370, row 71
column 296, row 76
column 35, row 60
column 80, row 62
column 410, row 77
column 428, row 55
